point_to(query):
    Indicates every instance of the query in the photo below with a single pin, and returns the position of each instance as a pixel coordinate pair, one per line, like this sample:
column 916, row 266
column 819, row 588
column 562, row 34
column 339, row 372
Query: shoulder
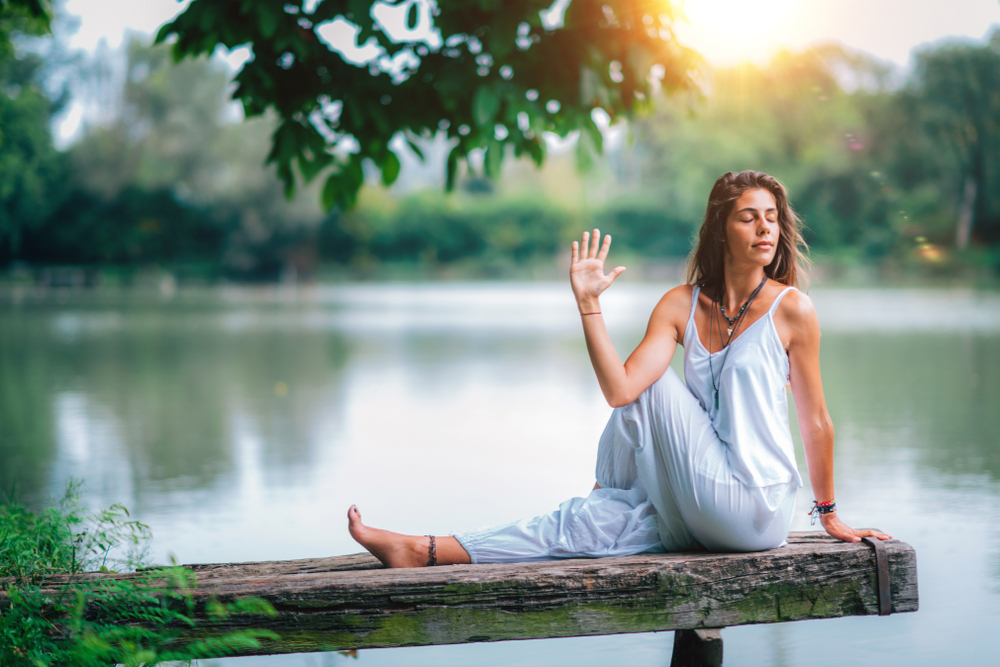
column 797, row 306
column 677, row 300
column 797, row 314
column 673, row 309
column 679, row 295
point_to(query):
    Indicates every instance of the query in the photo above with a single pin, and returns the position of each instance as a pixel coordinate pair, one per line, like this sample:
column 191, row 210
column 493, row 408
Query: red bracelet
column 825, row 507
column 596, row 312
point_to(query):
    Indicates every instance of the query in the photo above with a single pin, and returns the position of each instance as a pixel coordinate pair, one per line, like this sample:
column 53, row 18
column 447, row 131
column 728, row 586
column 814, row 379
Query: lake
column 240, row 424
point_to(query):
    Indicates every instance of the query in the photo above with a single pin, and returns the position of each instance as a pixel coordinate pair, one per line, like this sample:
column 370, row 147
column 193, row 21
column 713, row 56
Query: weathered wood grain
column 351, row 602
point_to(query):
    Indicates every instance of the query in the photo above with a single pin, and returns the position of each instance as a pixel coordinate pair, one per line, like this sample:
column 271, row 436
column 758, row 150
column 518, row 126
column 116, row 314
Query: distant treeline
column 877, row 168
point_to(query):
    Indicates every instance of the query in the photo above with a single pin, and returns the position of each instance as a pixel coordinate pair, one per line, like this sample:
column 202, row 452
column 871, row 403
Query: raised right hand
column 586, row 272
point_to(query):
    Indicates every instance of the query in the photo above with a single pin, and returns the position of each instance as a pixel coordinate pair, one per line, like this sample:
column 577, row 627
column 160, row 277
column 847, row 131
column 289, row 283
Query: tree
column 22, row 17
column 957, row 88
column 490, row 74
column 168, row 178
column 791, row 118
column 29, row 164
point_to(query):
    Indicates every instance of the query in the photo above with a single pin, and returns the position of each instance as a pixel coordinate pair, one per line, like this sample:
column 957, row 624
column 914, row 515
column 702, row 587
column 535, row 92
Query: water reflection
column 152, row 401
column 240, row 423
column 935, row 394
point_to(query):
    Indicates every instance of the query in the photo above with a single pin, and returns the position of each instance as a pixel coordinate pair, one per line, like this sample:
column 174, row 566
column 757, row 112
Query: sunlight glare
column 730, row 31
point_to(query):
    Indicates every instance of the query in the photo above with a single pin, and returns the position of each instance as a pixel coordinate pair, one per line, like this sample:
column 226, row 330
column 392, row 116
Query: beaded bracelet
column 825, row 507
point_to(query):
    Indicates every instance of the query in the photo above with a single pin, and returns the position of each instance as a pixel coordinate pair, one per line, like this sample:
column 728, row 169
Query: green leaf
column 536, row 148
column 416, row 149
column 267, row 22
column 331, row 189
column 589, row 127
column 390, row 169
column 485, row 106
column 311, row 168
column 493, row 158
column 584, row 152
column 452, row 168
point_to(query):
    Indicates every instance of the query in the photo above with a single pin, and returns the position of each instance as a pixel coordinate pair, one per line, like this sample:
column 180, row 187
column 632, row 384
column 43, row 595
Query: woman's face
column 752, row 228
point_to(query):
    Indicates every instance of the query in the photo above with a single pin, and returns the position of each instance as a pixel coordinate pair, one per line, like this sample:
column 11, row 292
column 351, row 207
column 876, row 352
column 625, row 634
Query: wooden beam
column 351, row 602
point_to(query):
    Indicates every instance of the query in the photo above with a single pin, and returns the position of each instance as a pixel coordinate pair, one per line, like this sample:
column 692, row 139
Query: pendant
column 729, row 331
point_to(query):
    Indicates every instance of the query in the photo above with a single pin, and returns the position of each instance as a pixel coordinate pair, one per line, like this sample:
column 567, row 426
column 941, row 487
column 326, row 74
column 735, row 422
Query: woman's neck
column 740, row 282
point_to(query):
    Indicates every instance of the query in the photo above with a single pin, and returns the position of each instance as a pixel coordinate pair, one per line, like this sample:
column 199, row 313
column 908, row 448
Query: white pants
column 666, row 485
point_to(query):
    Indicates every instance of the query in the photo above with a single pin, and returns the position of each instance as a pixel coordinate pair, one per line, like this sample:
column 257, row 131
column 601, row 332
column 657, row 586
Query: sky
column 724, row 31
column 727, row 31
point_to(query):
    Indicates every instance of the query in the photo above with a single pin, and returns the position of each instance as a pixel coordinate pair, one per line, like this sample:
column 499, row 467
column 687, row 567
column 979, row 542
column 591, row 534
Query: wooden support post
column 697, row 648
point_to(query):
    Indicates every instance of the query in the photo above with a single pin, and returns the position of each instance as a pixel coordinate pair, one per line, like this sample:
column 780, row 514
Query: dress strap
column 777, row 300
column 694, row 301
column 689, row 327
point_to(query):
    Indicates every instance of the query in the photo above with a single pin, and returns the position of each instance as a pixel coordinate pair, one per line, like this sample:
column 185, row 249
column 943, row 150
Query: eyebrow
column 752, row 210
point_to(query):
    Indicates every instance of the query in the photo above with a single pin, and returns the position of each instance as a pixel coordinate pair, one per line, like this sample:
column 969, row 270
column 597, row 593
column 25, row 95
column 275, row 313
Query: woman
column 707, row 463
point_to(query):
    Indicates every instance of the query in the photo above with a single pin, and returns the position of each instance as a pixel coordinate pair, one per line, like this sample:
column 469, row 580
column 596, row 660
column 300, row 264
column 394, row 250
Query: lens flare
column 730, row 31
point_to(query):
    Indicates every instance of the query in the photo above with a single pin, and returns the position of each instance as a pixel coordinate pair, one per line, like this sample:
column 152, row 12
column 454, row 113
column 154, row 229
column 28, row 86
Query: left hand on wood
column 837, row 528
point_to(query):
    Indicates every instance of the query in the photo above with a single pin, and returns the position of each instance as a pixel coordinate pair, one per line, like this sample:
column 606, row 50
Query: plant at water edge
column 54, row 614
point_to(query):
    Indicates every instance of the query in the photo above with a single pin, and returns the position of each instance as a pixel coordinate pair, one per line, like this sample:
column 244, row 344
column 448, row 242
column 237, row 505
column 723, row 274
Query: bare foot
column 393, row 549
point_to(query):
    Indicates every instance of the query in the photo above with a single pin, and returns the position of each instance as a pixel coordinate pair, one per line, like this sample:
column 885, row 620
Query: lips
column 763, row 244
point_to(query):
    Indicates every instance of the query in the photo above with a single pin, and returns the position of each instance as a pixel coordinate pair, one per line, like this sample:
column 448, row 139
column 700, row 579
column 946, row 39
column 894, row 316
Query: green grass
column 52, row 616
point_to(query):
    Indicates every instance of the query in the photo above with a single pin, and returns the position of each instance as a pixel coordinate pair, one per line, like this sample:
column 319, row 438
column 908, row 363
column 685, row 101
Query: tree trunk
column 963, row 232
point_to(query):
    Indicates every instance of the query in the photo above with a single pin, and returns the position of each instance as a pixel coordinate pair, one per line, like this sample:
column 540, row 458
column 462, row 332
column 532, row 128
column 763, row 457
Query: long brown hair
column 706, row 267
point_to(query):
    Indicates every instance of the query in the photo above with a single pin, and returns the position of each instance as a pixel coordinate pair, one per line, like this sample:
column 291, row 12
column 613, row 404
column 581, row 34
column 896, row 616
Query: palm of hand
column 587, row 277
column 586, row 272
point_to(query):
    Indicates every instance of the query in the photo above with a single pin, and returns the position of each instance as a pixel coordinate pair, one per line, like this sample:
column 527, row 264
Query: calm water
column 240, row 424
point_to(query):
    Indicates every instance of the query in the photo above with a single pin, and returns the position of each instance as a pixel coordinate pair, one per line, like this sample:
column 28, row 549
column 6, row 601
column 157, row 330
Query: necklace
column 746, row 303
column 739, row 322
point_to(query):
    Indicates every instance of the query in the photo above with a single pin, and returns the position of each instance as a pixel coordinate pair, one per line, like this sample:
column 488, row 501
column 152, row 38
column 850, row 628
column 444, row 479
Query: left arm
column 799, row 318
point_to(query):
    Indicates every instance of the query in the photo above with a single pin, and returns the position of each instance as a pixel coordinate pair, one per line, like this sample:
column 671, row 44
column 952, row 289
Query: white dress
column 676, row 472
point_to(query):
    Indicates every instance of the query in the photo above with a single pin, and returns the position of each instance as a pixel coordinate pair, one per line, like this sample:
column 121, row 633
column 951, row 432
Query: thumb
column 615, row 273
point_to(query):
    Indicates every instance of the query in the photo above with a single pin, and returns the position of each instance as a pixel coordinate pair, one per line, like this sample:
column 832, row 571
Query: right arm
column 622, row 383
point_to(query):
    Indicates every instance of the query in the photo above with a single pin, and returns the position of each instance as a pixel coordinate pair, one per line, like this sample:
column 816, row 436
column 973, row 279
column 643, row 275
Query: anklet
column 433, row 553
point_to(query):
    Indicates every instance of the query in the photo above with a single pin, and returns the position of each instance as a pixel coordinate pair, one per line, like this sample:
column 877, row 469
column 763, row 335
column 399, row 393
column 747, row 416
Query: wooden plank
column 351, row 602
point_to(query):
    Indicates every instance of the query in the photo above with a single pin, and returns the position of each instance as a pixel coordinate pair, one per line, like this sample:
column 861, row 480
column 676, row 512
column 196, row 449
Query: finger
column 576, row 252
column 585, row 246
column 844, row 533
column 874, row 533
column 614, row 274
column 594, row 243
column 604, row 248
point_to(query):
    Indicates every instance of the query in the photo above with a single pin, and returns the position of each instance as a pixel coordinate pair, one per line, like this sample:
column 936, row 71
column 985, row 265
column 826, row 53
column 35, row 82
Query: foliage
column 29, row 164
column 488, row 74
column 498, row 237
column 55, row 615
column 22, row 17
column 955, row 90
column 167, row 179
column 880, row 169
